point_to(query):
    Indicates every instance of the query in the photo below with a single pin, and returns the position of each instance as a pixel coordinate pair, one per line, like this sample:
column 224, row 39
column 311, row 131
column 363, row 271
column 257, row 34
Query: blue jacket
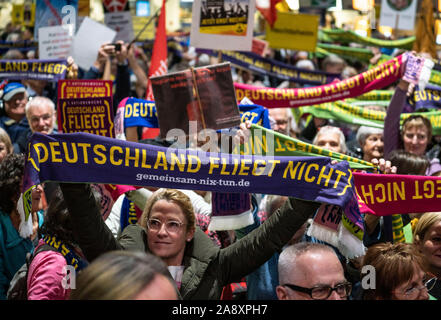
column 13, row 249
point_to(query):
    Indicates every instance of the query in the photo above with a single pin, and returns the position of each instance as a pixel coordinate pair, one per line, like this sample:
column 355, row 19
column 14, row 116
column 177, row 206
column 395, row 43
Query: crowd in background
column 272, row 259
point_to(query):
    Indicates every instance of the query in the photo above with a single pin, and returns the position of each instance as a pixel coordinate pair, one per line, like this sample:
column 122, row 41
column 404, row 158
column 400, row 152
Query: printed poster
column 90, row 115
column 55, row 42
column 223, row 24
column 398, row 14
column 294, row 31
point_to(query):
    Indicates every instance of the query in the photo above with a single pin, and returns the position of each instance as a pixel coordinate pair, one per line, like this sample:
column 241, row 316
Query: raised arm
column 92, row 234
column 391, row 133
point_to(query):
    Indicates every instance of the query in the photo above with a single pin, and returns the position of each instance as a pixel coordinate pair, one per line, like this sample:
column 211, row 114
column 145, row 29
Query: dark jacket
column 207, row 267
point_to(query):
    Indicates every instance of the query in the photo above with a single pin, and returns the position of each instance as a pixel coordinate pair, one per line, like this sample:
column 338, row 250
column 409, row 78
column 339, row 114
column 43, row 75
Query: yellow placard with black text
column 294, row 31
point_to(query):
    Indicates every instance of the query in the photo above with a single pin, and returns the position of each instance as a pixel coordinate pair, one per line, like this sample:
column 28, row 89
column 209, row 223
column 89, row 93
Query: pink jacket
column 45, row 276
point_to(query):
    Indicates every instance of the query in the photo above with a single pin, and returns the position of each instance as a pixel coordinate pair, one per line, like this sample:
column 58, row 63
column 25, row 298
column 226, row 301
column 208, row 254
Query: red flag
column 158, row 63
column 268, row 9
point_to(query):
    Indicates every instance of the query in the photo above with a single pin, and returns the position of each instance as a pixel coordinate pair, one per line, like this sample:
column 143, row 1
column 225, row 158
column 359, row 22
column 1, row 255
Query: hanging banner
column 373, row 79
column 48, row 70
column 273, row 68
column 83, row 157
column 398, row 14
column 267, row 143
column 223, row 25
column 429, row 98
column 347, row 36
column 294, row 31
column 389, row 194
column 347, row 113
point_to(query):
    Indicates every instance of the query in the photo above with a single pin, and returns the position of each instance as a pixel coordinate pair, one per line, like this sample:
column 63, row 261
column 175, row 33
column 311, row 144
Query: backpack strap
column 43, row 247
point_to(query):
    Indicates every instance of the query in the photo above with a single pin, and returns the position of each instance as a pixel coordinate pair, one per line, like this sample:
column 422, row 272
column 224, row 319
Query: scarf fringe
column 26, row 226
column 221, row 223
column 348, row 244
column 322, row 233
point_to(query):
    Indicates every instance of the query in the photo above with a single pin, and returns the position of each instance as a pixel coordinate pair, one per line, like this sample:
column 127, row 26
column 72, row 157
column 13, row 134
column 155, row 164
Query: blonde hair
column 174, row 196
column 424, row 223
column 118, row 275
column 4, row 137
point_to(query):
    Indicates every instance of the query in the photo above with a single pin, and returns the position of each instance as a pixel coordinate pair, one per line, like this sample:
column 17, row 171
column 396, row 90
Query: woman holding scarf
column 167, row 229
column 55, row 250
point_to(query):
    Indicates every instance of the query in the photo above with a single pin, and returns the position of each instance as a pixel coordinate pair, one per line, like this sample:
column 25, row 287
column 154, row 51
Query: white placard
column 86, row 43
column 121, row 22
column 398, row 14
column 218, row 36
column 55, row 42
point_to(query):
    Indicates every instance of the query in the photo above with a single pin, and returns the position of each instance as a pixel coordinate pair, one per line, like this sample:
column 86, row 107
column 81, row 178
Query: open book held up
column 204, row 94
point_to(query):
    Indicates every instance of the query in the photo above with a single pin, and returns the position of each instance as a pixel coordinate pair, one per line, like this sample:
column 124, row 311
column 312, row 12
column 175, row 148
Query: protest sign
column 76, row 88
column 223, row 26
column 398, row 14
column 259, row 47
column 94, row 34
column 91, row 115
column 294, row 31
column 49, row 13
column 23, row 14
column 121, row 22
column 205, row 95
column 48, row 70
column 55, row 42
column 377, row 78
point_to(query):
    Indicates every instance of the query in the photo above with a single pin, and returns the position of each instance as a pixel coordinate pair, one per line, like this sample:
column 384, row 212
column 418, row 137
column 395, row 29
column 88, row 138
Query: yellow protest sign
column 294, row 31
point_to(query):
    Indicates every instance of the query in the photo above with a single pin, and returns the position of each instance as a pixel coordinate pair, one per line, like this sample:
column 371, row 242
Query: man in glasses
column 311, row 271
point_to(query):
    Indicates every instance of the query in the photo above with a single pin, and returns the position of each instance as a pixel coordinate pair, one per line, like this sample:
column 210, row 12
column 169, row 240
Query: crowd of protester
column 170, row 253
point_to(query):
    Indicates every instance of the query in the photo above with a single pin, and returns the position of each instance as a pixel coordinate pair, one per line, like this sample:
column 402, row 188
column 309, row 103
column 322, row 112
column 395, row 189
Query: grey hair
column 364, row 132
column 39, row 101
column 288, row 257
column 305, row 64
column 325, row 130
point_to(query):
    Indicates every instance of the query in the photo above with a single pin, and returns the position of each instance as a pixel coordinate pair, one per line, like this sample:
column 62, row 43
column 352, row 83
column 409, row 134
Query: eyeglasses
column 323, row 292
column 170, row 226
column 427, row 284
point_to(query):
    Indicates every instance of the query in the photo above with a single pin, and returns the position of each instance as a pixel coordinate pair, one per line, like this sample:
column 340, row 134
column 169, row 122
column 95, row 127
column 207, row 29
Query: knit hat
column 12, row 89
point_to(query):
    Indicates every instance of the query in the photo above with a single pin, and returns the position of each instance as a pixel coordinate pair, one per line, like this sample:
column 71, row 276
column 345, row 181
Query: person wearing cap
column 13, row 119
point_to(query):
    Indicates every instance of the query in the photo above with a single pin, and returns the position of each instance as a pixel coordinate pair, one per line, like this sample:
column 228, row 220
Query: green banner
column 344, row 52
column 347, row 113
column 268, row 142
column 374, row 95
column 347, row 36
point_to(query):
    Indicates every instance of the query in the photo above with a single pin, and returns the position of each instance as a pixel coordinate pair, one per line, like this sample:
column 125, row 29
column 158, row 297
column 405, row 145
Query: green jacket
column 207, row 267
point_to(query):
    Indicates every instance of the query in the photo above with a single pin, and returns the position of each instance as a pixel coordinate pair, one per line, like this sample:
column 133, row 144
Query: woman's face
column 373, row 147
column 414, row 289
column 167, row 232
column 416, row 140
column 431, row 246
column 3, row 151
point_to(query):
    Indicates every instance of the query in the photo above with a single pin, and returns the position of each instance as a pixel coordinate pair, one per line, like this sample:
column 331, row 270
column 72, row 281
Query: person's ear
column 281, row 293
column 190, row 234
